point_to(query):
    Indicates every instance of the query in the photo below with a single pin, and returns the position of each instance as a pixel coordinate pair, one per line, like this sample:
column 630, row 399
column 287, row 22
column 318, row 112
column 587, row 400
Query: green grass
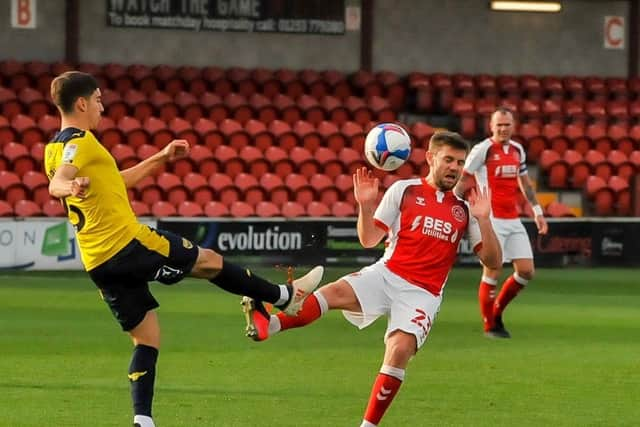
column 573, row 360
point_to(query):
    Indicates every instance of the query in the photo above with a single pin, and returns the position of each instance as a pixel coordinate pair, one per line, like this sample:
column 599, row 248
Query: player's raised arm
column 365, row 189
column 65, row 183
column 176, row 149
column 490, row 252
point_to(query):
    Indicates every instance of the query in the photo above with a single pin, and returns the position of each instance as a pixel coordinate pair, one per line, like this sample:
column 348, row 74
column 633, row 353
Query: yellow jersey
column 104, row 220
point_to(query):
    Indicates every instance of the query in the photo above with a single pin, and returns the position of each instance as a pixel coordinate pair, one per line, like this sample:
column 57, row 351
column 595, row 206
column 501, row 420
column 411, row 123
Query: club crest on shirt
column 458, row 213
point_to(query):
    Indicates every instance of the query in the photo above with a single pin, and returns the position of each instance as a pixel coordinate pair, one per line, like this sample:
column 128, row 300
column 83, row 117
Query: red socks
column 310, row 311
column 487, row 297
column 510, row 288
column 387, row 384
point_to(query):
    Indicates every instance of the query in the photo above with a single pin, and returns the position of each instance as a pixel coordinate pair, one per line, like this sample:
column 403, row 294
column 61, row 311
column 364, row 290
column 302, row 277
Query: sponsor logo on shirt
column 69, row 153
column 420, row 201
column 507, row 171
column 435, row 227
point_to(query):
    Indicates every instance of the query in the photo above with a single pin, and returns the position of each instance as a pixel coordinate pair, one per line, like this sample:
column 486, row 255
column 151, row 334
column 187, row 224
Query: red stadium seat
column 5, row 209
column 124, row 155
column 19, row 158
column 27, row 208
column 38, row 185
column 163, row 209
column 274, row 186
column 199, row 189
column 157, row 129
column 283, row 134
column 342, row 209
column 225, row 189
column 558, row 210
column 140, row 208
column 204, row 159
column 173, row 187
column 11, row 187
column 53, row 207
column 241, row 209
column 190, row 209
column 318, row 209
column 267, row 209
column 293, row 210
column 216, row 209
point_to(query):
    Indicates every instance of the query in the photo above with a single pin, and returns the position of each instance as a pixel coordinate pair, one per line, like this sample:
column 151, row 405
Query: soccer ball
column 387, row 146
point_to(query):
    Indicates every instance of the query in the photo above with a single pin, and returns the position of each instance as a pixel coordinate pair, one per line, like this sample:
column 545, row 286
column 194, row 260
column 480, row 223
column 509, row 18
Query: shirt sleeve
column 388, row 210
column 476, row 158
column 77, row 152
column 523, row 161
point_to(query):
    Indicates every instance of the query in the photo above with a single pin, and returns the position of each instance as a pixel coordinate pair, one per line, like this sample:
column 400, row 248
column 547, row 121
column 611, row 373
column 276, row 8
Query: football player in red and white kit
column 424, row 222
column 500, row 164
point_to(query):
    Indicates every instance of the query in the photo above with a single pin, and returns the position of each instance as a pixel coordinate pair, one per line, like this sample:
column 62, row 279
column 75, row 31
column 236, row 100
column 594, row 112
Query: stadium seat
column 283, row 134
column 292, row 210
column 275, row 188
column 620, row 186
column 163, row 209
column 260, row 137
column 226, row 191
column 204, row 160
column 241, row 209
column 334, row 109
column 229, row 161
column 36, row 104
column 342, row 209
column 53, row 208
column 234, row 134
column 158, row 131
column 252, row 192
column 140, row 208
column 325, row 189
column 132, row 129
column 601, row 196
column 5, row 209
column 182, row 129
column 49, row 125
column 28, row 130
column 173, row 188
column 208, row 133
column 26, row 208
column 308, row 135
column 311, row 109
column 239, row 108
column 266, row 209
column 9, row 103
column 344, row 185
column 280, row 162
column 109, row 133
column 190, row 209
column 556, row 209
column 148, row 191
column 216, row 209
column 317, row 209
column 11, row 187
column 38, row 185
column 19, row 158
column 199, row 190
column 124, row 155
column 352, row 159
column 288, row 111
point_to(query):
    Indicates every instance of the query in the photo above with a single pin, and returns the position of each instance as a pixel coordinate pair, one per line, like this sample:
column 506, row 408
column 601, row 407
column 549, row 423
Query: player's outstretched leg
column 261, row 325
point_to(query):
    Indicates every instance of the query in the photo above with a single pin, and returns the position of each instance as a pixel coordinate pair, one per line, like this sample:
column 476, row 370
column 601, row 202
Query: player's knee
column 401, row 346
column 339, row 295
column 208, row 264
column 527, row 274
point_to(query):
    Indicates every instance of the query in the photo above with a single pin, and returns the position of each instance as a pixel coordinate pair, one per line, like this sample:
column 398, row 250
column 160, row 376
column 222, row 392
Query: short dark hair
column 69, row 86
column 451, row 139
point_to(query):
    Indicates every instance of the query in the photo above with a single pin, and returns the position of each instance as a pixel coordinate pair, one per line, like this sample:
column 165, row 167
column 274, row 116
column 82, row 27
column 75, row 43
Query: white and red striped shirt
column 498, row 166
column 425, row 227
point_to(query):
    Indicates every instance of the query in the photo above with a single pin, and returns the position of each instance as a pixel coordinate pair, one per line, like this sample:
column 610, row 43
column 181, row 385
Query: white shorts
column 381, row 292
column 513, row 238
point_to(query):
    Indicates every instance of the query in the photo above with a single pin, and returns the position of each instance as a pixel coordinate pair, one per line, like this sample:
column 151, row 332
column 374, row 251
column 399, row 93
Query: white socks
column 144, row 421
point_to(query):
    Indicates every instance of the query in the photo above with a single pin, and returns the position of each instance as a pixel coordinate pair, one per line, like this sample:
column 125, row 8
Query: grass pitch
column 573, row 359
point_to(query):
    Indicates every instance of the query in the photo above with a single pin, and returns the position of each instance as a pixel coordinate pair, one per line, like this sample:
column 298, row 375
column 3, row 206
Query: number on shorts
column 420, row 321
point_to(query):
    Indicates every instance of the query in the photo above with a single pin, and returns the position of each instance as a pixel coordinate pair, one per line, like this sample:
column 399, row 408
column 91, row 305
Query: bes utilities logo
column 435, row 227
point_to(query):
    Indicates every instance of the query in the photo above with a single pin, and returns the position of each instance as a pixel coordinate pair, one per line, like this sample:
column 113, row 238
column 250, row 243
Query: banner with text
column 41, row 244
column 273, row 242
column 281, row 16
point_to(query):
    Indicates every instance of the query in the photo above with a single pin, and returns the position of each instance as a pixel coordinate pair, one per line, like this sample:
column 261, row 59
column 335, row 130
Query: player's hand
column 365, row 186
column 79, row 186
column 479, row 202
column 541, row 223
column 176, row 149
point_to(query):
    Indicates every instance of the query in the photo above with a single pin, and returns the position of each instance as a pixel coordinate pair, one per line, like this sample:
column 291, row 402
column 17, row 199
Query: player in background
column 423, row 222
column 122, row 255
column 499, row 163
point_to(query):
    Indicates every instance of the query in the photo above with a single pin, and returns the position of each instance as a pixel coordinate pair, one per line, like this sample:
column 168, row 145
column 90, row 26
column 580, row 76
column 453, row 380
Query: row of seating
column 571, row 169
column 212, row 106
column 609, row 197
column 196, row 80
